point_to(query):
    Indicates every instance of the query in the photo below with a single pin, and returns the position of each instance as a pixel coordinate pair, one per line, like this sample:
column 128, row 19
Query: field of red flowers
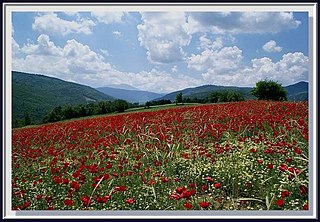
column 238, row 156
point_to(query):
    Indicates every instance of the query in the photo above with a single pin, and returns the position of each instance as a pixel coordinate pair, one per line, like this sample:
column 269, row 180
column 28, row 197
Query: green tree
column 269, row 90
column 147, row 105
column 179, row 98
column 27, row 120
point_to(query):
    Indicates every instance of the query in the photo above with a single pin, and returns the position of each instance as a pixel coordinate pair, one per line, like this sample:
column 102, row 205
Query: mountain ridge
column 38, row 94
column 296, row 92
column 133, row 96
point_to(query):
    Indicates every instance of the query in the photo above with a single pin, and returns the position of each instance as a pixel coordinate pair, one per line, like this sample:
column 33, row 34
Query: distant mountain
column 204, row 91
column 39, row 94
column 133, row 96
column 296, row 92
column 121, row 86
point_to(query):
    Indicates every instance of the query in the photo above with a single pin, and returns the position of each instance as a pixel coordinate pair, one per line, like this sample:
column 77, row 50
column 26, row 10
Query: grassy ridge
column 38, row 95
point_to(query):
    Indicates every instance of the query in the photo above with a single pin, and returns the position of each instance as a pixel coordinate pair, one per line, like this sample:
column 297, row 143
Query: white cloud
column 76, row 62
column 117, row 33
column 50, row 23
column 293, row 67
column 105, row 52
column 164, row 35
column 228, row 58
column 14, row 47
column 44, row 47
column 174, row 68
column 72, row 13
column 109, row 17
column 206, row 43
column 241, row 22
column 159, row 81
column 271, row 46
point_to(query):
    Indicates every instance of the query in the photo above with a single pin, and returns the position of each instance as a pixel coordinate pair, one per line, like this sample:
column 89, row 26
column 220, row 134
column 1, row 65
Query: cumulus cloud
column 44, row 47
column 160, row 81
column 174, row 68
column 206, row 43
column 78, row 63
column 271, row 46
column 117, row 33
column 164, row 35
column 109, row 17
column 228, row 58
column 293, row 67
column 14, row 47
column 241, row 22
column 50, row 23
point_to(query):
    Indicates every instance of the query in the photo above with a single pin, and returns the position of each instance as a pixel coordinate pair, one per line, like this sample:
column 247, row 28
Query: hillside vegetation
column 36, row 95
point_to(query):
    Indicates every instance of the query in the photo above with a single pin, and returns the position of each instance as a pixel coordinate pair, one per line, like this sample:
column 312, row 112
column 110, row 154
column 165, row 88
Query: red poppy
column 260, row 161
column 297, row 150
column 209, row 179
column 306, row 206
column 27, row 204
column 270, row 166
column 65, row 181
column 204, row 187
column 280, row 202
column 187, row 205
column 120, row 188
column 283, row 167
column 217, row 185
column 85, row 200
column 285, row 193
column 165, row 179
column 130, row 201
column 101, row 199
column 75, row 185
column 180, row 189
column 151, row 182
column 253, row 150
column 303, row 189
column 68, row 202
column 204, row 204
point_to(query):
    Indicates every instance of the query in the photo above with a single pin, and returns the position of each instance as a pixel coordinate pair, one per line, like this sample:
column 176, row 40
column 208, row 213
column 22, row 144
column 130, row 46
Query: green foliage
column 68, row 112
column 269, row 90
column 157, row 103
column 27, row 120
column 179, row 98
column 38, row 95
column 225, row 96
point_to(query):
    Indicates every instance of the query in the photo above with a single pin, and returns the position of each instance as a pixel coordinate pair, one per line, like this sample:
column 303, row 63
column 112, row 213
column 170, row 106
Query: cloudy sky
column 162, row 51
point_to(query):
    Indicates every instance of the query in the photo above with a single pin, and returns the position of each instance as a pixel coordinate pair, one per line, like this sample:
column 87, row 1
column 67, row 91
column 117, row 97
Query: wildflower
column 280, row 202
column 68, row 202
column 285, row 193
column 187, row 205
column 130, row 201
column 204, row 204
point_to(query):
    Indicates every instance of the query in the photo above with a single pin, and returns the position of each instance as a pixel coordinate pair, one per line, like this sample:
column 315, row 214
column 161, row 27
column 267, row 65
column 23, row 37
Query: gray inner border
column 157, row 213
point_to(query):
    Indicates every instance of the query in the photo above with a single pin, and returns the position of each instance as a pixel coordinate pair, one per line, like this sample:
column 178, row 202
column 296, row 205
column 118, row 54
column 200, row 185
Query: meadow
column 250, row 155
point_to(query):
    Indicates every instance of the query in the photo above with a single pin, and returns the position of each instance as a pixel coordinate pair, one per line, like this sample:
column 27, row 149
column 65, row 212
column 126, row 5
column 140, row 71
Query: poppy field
column 250, row 155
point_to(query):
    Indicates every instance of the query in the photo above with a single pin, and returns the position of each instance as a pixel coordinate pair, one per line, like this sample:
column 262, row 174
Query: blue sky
column 162, row 51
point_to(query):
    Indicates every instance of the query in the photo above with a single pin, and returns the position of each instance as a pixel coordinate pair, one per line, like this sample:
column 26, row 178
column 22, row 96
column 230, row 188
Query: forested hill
column 37, row 95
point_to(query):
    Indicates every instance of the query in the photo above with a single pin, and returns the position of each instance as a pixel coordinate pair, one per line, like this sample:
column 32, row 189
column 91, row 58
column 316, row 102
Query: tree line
column 68, row 112
column 264, row 90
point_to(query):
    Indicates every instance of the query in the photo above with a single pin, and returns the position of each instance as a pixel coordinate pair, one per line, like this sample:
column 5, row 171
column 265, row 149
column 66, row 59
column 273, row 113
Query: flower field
column 245, row 155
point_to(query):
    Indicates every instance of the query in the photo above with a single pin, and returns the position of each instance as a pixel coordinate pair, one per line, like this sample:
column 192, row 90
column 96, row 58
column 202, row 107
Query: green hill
column 39, row 94
column 204, row 91
column 296, row 92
